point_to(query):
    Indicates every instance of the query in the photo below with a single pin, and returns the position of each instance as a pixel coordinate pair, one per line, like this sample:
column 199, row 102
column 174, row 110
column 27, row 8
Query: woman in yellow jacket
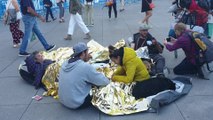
column 131, row 68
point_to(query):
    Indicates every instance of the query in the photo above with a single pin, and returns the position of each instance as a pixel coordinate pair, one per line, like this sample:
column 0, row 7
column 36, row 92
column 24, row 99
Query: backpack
column 203, row 48
column 203, row 4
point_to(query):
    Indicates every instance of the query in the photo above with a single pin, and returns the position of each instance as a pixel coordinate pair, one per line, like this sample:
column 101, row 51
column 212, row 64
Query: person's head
column 38, row 57
column 81, row 51
column 143, row 29
column 116, row 55
column 179, row 28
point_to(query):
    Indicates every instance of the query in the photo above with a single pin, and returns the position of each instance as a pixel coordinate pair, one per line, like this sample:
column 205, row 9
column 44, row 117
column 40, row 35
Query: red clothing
column 194, row 6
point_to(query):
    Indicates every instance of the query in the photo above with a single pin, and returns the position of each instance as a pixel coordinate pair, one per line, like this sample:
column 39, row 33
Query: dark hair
column 78, row 55
column 114, row 53
column 34, row 54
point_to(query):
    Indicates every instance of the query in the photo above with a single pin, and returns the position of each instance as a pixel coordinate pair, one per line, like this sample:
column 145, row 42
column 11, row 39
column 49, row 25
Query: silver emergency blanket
column 143, row 52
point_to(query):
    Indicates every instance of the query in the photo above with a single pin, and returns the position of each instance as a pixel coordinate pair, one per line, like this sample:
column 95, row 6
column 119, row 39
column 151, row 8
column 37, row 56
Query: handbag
column 9, row 16
column 151, row 5
column 109, row 2
column 12, row 15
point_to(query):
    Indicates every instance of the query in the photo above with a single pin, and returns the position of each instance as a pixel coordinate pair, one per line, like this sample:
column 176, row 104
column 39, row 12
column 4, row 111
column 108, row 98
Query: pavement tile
column 56, row 111
column 14, row 90
column 165, row 113
column 196, row 107
column 12, row 112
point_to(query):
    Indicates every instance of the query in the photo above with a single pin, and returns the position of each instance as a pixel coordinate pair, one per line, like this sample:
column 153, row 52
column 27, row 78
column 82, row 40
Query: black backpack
column 204, row 4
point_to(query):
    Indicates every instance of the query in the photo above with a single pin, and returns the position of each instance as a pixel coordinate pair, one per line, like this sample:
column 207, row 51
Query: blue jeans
column 30, row 24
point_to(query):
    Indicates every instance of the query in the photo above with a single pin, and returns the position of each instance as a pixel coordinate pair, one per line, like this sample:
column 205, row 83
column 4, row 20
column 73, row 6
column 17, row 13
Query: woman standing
column 60, row 4
column 146, row 8
column 17, row 34
column 114, row 6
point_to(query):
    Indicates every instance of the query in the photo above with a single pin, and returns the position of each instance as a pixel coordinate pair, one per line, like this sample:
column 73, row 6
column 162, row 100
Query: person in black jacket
column 48, row 5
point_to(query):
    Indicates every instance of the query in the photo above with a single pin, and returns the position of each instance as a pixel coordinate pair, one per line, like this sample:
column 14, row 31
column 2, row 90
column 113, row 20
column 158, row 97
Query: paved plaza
column 16, row 101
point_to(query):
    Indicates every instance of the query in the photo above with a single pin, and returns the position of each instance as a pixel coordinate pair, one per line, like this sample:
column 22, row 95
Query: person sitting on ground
column 76, row 78
column 144, row 38
column 131, row 69
column 36, row 66
column 188, row 65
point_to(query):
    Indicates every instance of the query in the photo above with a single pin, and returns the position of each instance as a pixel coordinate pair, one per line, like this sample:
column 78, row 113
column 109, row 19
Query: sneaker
column 88, row 37
column 68, row 37
column 54, row 19
column 24, row 54
column 15, row 45
column 48, row 21
column 121, row 10
column 51, row 48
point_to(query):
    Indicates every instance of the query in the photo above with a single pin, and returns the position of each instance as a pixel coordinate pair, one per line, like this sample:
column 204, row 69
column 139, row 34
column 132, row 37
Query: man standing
column 89, row 13
column 30, row 24
column 75, row 9
column 76, row 78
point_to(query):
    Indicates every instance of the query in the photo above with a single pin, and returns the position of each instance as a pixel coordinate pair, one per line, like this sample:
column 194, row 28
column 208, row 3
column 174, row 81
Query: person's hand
column 154, row 42
column 173, row 40
column 41, row 18
column 165, row 42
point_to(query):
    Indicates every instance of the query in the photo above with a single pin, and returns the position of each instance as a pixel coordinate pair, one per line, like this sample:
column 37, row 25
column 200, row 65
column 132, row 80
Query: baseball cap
column 78, row 48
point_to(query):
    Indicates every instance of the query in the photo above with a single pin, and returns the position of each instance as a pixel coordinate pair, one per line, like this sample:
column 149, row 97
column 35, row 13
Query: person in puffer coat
column 130, row 68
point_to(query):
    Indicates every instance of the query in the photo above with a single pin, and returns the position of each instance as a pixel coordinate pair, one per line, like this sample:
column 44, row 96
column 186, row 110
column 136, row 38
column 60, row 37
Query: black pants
column 87, row 102
column 185, row 67
column 151, row 87
column 49, row 11
column 114, row 9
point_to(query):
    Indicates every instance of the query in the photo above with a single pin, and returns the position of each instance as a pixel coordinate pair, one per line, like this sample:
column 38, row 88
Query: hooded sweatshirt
column 133, row 69
column 75, row 82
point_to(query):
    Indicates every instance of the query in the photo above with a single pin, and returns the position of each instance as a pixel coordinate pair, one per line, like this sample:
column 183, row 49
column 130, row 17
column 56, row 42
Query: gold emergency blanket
column 113, row 99
column 50, row 80
column 116, row 99
column 50, row 76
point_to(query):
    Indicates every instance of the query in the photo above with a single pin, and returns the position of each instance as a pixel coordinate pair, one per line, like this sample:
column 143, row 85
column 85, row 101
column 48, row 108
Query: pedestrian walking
column 60, row 4
column 17, row 34
column 30, row 25
column 48, row 5
column 148, row 11
column 89, row 21
column 75, row 9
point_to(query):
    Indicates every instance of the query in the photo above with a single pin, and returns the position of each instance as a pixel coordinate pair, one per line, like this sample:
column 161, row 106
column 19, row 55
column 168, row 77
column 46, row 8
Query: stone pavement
column 15, row 94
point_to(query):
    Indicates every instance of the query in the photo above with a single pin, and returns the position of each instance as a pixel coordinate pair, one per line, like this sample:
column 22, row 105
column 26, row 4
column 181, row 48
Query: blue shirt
column 24, row 4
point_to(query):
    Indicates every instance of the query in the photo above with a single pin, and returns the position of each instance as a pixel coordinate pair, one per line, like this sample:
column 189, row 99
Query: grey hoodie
column 75, row 82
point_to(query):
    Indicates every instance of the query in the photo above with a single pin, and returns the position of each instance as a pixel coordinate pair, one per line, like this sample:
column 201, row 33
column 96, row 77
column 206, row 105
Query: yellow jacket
column 133, row 69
